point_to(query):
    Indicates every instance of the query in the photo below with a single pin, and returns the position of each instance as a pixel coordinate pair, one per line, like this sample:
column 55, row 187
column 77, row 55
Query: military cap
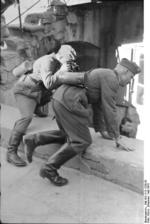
column 131, row 66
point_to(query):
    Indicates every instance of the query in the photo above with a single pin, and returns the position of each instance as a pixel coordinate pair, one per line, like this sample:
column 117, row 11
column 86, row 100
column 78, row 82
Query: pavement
column 27, row 198
column 102, row 158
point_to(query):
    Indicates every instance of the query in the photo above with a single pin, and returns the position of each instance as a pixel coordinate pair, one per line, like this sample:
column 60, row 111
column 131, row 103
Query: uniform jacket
column 40, row 80
column 100, row 92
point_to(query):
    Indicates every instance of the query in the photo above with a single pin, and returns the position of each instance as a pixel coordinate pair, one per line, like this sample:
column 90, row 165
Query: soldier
column 35, row 89
column 70, row 104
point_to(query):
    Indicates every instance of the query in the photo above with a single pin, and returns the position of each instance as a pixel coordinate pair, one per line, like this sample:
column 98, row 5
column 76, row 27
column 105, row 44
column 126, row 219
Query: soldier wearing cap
column 70, row 102
column 34, row 89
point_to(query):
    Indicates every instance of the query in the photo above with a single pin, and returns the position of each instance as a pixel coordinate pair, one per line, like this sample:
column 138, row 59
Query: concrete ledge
column 102, row 158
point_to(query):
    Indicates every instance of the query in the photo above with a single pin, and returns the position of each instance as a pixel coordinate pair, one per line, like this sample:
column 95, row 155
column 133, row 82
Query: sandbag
column 130, row 122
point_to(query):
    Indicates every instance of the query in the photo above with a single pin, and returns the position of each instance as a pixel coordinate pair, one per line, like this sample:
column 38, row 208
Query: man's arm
column 110, row 114
column 45, row 67
column 98, row 117
column 53, row 75
column 108, row 99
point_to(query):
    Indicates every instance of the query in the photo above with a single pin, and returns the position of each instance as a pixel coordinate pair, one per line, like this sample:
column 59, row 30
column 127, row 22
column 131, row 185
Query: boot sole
column 44, row 175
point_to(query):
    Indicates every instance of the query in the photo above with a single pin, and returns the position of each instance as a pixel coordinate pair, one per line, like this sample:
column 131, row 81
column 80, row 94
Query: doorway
column 135, row 90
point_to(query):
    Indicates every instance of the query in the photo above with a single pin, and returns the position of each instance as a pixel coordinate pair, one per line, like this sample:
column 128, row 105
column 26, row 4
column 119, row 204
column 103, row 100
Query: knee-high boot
column 15, row 140
column 49, row 170
column 41, row 138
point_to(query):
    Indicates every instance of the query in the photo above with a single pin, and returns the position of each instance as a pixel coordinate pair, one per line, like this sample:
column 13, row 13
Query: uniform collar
column 117, row 75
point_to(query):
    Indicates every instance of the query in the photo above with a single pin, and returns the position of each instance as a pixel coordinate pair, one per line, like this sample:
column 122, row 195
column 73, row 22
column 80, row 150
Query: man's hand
column 122, row 144
column 65, row 67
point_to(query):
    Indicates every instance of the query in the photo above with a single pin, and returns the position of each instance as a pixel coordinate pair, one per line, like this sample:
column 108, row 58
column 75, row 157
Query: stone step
column 102, row 158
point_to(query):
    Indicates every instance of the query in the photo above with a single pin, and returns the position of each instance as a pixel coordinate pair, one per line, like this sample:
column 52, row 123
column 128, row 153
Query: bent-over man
column 70, row 104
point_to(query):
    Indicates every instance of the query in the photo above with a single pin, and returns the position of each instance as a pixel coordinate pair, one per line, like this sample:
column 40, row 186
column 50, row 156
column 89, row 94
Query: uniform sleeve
column 46, row 67
column 108, row 98
column 98, row 117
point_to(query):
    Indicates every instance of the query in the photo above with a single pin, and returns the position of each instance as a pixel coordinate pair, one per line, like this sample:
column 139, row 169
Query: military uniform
column 100, row 90
column 71, row 107
column 31, row 90
column 70, row 103
column 34, row 84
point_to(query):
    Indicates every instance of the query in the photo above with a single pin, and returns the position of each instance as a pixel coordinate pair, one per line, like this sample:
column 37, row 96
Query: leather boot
column 12, row 156
column 15, row 140
column 55, row 162
column 42, row 138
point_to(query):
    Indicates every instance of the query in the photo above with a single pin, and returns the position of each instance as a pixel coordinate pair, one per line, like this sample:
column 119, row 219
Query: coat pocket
column 76, row 101
column 28, row 90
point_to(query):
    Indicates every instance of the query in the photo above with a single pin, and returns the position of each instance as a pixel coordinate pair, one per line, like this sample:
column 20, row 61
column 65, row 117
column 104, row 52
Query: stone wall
column 43, row 33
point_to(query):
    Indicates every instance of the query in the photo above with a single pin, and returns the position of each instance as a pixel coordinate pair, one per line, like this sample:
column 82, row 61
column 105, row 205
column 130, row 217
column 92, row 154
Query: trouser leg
column 26, row 107
column 74, row 126
column 78, row 139
column 64, row 154
column 42, row 138
column 49, row 170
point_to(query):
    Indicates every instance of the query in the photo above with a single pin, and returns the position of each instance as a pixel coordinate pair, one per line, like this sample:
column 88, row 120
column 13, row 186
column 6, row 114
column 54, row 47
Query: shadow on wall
column 88, row 55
